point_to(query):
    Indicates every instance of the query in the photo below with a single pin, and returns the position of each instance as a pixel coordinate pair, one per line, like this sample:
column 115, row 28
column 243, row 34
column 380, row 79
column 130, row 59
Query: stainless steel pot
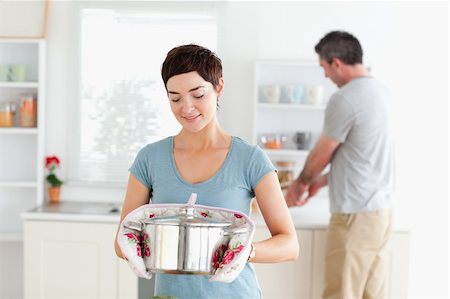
column 182, row 244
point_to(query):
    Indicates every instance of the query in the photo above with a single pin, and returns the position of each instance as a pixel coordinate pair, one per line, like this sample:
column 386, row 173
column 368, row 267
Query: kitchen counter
column 75, row 211
column 314, row 215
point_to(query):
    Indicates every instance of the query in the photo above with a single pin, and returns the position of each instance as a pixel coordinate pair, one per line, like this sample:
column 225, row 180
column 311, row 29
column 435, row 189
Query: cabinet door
column 73, row 260
column 318, row 267
column 287, row 280
column 397, row 265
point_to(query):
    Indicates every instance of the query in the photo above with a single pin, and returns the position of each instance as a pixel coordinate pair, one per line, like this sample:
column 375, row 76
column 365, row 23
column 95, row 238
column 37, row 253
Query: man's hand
column 317, row 184
column 297, row 194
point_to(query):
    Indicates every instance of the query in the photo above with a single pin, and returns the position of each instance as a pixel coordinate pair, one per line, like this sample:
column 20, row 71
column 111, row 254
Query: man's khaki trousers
column 356, row 254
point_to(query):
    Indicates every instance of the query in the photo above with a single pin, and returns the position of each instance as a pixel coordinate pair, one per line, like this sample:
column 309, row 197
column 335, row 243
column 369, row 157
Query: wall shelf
column 19, row 84
column 11, row 236
column 15, row 130
column 290, row 106
column 287, row 152
column 19, row 184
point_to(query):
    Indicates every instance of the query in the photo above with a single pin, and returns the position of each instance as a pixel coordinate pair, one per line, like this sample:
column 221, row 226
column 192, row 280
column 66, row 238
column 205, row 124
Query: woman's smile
column 192, row 118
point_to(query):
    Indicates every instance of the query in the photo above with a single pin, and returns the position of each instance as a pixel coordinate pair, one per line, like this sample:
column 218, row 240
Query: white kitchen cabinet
column 74, row 260
column 287, row 280
column 22, row 148
column 304, row 278
column 283, row 116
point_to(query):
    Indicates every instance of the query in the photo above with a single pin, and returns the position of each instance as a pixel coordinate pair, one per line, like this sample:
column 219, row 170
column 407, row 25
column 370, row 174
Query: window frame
column 72, row 184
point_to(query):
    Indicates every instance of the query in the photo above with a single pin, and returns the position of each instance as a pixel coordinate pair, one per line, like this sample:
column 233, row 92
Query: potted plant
column 51, row 163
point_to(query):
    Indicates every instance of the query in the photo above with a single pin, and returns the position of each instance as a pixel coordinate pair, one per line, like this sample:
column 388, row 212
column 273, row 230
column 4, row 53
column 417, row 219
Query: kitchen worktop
column 314, row 215
column 75, row 211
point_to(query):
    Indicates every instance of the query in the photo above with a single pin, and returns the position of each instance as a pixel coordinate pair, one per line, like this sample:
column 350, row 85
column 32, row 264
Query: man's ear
column 336, row 62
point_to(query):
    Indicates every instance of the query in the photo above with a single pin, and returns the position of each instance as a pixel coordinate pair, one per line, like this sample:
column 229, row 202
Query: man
column 357, row 143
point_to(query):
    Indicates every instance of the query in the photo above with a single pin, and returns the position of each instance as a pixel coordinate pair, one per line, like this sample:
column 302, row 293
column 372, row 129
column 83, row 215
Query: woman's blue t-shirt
column 232, row 187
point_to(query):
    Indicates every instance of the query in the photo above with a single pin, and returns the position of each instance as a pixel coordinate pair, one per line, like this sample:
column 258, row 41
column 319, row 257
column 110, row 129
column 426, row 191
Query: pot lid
column 186, row 221
column 186, row 218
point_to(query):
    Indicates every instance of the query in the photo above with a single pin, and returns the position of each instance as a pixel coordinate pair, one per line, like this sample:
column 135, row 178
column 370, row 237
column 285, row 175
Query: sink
column 80, row 208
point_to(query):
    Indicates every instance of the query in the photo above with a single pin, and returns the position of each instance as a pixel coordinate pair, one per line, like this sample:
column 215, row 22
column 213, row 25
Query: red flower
column 51, row 160
column 223, row 247
column 147, row 250
column 204, row 214
column 151, row 215
column 228, row 257
column 144, row 238
column 239, row 248
column 132, row 236
column 238, row 215
column 138, row 250
column 217, row 256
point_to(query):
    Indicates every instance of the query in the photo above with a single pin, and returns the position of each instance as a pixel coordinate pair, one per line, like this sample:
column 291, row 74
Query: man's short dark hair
column 342, row 45
column 189, row 58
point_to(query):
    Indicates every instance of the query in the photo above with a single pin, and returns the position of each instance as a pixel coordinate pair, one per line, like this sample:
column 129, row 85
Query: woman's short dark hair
column 190, row 58
column 341, row 45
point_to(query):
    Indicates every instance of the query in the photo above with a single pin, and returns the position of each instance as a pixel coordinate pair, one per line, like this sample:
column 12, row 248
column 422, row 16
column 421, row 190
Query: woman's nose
column 188, row 106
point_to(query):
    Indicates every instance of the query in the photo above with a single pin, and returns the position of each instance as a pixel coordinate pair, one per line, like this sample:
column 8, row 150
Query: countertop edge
column 314, row 216
column 299, row 224
column 70, row 217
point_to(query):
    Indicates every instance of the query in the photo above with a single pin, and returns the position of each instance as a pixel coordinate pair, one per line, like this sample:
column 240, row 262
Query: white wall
column 406, row 43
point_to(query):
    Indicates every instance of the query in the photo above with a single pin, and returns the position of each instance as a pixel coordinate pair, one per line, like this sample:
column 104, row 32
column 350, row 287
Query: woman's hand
column 136, row 196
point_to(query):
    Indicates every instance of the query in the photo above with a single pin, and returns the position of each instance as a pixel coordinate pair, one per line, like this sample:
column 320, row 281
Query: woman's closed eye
column 198, row 96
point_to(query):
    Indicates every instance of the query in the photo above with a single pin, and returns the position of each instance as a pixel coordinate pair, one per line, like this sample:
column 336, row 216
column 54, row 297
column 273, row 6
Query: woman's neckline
column 209, row 180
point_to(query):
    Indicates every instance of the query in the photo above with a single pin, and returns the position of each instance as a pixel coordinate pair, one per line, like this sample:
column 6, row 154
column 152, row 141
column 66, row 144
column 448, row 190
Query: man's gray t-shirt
column 361, row 177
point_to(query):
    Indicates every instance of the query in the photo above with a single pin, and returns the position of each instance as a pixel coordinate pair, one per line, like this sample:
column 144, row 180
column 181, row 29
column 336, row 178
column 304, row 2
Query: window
column 123, row 104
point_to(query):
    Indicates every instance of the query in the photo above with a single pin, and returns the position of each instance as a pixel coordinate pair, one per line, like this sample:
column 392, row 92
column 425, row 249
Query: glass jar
column 7, row 112
column 28, row 111
column 273, row 141
column 285, row 173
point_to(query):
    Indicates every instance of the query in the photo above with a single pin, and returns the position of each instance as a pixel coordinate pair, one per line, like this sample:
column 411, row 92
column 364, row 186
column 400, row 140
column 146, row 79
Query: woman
column 223, row 170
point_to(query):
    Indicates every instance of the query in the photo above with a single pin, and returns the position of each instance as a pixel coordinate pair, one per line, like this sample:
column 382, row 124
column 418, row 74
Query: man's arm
column 317, row 160
column 319, row 157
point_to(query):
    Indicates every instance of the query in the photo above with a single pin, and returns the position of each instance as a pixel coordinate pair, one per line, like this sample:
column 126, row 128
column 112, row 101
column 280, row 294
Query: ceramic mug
column 18, row 72
column 5, row 72
column 292, row 94
column 271, row 94
column 302, row 140
column 315, row 95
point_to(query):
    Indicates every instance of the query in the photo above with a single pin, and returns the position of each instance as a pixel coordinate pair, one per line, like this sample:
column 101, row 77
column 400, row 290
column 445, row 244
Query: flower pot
column 53, row 193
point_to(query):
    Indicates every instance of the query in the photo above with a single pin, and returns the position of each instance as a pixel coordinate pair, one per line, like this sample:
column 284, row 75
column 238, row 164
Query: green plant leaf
column 53, row 180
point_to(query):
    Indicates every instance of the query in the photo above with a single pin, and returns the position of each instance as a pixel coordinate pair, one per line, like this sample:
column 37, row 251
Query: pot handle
column 134, row 225
column 192, row 199
column 231, row 232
